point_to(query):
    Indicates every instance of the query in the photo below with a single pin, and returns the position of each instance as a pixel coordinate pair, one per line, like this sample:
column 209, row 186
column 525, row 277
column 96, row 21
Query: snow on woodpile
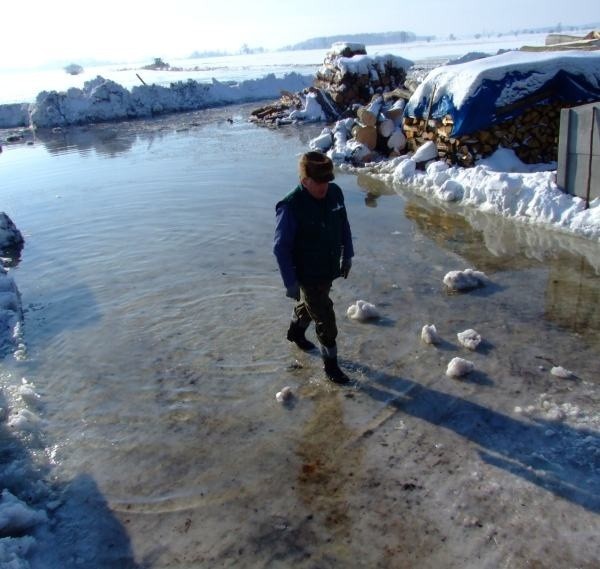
column 351, row 77
column 347, row 80
column 512, row 100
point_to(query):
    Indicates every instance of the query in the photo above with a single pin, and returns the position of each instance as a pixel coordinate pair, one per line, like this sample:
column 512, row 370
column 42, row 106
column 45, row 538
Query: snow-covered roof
column 487, row 91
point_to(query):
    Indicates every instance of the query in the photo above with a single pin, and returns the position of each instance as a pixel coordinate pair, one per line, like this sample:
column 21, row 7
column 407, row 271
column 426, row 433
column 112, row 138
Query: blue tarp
column 498, row 91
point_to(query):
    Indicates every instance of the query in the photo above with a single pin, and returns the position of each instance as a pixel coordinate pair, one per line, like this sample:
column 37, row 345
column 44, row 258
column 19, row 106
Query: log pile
column 356, row 84
column 275, row 112
column 378, row 125
column 347, row 79
column 533, row 136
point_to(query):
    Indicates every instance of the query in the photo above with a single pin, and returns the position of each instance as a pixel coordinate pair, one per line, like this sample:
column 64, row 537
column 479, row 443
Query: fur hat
column 316, row 166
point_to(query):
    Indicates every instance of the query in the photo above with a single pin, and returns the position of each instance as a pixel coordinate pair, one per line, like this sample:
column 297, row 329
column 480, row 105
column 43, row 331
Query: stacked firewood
column 347, row 79
column 357, row 83
column 378, row 125
column 532, row 135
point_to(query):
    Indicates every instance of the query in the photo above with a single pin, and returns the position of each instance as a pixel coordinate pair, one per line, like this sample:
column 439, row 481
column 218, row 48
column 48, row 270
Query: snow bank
column 104, row 100
column 16, row 516
column 14, row 115
column 14, row 550
column 25, row 494
column 11, row 311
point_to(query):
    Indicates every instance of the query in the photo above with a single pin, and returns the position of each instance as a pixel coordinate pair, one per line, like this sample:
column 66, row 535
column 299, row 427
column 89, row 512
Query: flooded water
column 155, row 321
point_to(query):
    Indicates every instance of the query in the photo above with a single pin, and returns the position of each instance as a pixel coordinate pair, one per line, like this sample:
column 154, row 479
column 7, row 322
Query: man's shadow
column 557, row 457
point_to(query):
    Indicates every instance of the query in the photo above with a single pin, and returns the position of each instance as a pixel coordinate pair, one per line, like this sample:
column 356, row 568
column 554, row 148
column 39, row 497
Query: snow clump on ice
column 429, row 334
column 470, row 339
column 459, row 367
column 465, row 280
column 362, row 311
column 551, row 410
column 561, row 372
column 284, row 395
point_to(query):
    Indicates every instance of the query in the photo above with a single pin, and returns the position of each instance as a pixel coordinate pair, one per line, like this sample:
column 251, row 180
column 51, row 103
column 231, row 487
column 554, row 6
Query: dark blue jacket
column 311, row 236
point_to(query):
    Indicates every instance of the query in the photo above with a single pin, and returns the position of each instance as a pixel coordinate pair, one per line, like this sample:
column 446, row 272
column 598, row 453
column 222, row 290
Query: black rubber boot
column 295, row 334
column 333, row 371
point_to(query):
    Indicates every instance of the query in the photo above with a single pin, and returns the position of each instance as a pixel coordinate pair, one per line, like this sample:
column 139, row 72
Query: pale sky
column 39, row 32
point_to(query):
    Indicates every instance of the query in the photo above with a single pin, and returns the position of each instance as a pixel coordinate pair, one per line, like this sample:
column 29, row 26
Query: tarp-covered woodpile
column 511, row 100
column 533, row 136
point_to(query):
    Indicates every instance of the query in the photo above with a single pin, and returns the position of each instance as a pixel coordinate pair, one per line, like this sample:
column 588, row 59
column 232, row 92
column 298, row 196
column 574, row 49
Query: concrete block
column 578, row 170
column 583, row 134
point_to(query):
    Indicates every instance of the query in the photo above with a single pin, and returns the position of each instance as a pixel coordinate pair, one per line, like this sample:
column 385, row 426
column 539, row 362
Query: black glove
column 293, row 291
column 345, row 267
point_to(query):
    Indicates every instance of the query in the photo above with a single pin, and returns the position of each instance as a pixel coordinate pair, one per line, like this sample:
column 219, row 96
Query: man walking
column 313, row 246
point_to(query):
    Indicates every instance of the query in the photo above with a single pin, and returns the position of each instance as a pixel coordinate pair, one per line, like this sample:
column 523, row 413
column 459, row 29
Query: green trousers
column 315, row 305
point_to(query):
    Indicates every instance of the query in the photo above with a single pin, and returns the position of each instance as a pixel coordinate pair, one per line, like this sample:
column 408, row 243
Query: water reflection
column 497, row 243
column 108, row 141
column 454, row 232
column 112, row 139
column 573, row 294
column 374, row 189
column 492, row 244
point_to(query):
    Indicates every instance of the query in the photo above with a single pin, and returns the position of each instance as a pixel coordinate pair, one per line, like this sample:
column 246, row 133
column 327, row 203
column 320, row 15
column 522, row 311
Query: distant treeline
column 367, row 39
column 557, row 29
column 382, row 38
